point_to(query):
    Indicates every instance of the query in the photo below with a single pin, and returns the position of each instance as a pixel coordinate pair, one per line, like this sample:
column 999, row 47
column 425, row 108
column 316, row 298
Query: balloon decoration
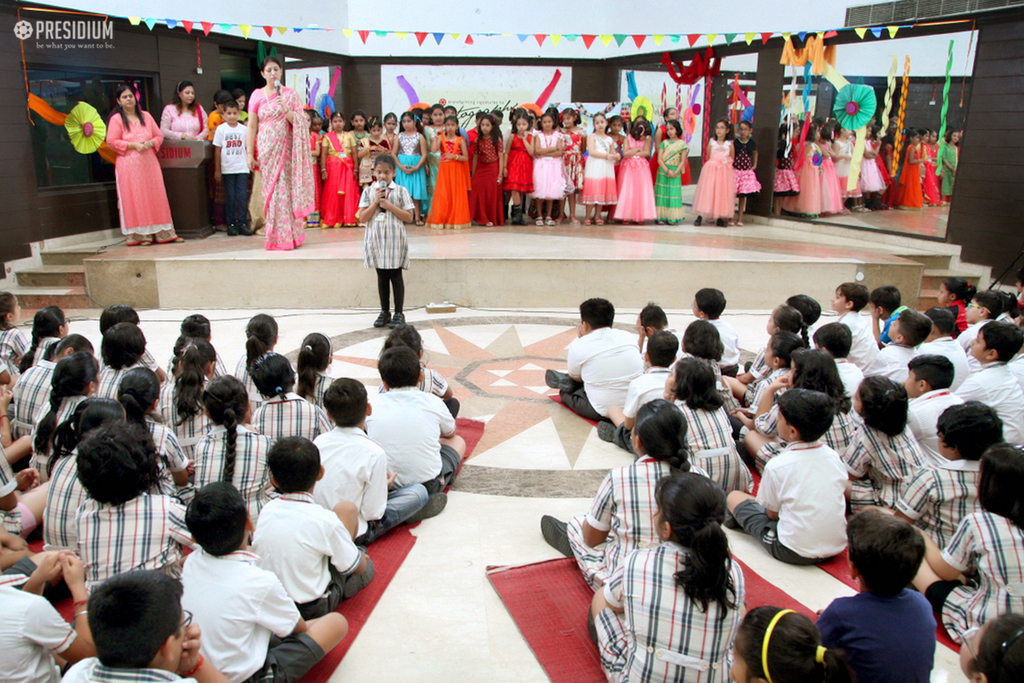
column 854, row 106
column 85, row 127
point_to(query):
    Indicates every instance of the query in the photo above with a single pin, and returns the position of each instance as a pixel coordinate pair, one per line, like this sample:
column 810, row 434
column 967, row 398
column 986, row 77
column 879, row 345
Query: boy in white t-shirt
column 927, row 386
column 799, row 515
column 231, row 167
column 662, row 348
column 940, row 342
column 850, row 298
column 983, row 309
column 994, row 384
column 907, row 331
column 602, row 362
column 709, row 304
column 836, row 338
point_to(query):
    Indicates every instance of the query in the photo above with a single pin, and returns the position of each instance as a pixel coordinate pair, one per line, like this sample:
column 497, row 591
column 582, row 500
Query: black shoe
column 558, row 380
column 698, row 220
column 720, row 223
column 244, row 231
column 435, row 505
column 396, row 320
column 232, row 231
column 556, row 534
column 606, row 431
column 383, row 319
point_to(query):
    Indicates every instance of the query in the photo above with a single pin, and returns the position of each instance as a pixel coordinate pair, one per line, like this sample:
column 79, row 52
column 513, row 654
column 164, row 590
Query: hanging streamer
column 890, row 90
column 705, row 121
column 963, row 83
column 945, row 103
column 901, row 116
column 698, row 69
column 631, row 91
column 57, row 118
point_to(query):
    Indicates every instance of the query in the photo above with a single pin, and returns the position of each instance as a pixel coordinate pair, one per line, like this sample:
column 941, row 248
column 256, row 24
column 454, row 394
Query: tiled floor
column 440, row 620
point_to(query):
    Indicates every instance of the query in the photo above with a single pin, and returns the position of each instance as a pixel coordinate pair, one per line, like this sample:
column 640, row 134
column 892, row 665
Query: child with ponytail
column 195, row 326
column 123, row 348
column 995, row 652
column 621, row 518
column 955, row 293
column 230, row 451
column 313, row 361
column 48, row 328
column 74, row 380
column 284, row 413
column 32, row 389
column 260, row 338
column 745, row 385
column 181, row 400
column 139, row 393
column 13, row 343
column 689, row 620
column 781, row 646
column 122, row 313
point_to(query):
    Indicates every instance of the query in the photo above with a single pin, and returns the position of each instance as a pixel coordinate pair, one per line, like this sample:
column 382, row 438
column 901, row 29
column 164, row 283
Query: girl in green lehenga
column 668, row 188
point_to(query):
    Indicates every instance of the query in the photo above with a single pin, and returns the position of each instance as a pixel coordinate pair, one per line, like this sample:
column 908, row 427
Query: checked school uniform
column 13, row 345
column 251, row 473
column 712, row 448
column 838, row 436
column 11, row 519
column 883, row 465
column 219, row 369
column 147, row 532
column 989, row 549
column 662, row 635
column 65, row 410
column 188, row 432
column 30, row 392
column 624, row 507
column 63, row 498
column 172, row 457
column 109, row 381
column 756, row 390
column 290, row 416
column 91, row 671
column 323, row 382
column 256, row 399
column 938, row 498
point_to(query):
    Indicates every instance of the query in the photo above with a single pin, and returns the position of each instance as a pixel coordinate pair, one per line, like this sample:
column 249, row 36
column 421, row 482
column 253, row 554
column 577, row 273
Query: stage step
column 932, row 278
column 75, row 256
column 52, row 276
column 34, row 298
column 929, row 261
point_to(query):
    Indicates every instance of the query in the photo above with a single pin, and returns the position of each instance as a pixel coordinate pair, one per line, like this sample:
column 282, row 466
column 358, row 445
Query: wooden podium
column 184, row 164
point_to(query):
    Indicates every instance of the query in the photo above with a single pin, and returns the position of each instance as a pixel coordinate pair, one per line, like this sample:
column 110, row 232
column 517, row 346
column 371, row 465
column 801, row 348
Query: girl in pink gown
column 636, row 190
column 808, row 201
column 715, row 197
column 279, row 126
column 831, row 192
column 141, row 197
column 931, row 180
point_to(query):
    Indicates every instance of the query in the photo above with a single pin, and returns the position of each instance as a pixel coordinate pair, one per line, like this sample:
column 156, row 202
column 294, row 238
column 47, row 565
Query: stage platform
column 514, row 266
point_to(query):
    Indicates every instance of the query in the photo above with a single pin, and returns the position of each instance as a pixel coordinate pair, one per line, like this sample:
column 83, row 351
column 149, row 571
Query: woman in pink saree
column 284, row 158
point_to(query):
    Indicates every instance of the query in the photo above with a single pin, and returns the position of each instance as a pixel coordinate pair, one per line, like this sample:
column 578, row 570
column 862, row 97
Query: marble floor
column 439, row 619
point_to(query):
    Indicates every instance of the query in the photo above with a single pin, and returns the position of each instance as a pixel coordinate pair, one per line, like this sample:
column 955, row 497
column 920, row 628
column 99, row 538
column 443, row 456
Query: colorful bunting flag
column 860, row 32
column 455, row 36
column 420, row 37
column 606, row 39
column 711, row 38
column 382, row 34
column 224, row 27
column 620, row 38
column 438, row 37
column 693, row 38
column 245, row 28
column 171, row 23
column 207, row 27
column 765, row 37
column 347, row 32
column 749, row 37
column 363, row 35
column 892, row 31
column 588, row 40
column 469, row 39
column 135, row 21
column 402, row 35
column 877, row 32
column 802, row 35
column 657, row 39
column 187, row 25
column 150, row 23
column 729, row 37
column 675, row 38
column 831, row 34
column 282, row 30
column 555, row 38
column 522, row 37
column 269, row 30
column 638, row 40
column 540, row 39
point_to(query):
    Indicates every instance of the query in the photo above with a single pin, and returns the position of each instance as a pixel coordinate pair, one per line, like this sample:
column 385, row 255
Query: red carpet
column 761, row 592
column 558, row 399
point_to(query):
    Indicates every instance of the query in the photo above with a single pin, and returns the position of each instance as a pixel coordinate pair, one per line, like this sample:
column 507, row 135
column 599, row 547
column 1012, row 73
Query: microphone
column 277, row 87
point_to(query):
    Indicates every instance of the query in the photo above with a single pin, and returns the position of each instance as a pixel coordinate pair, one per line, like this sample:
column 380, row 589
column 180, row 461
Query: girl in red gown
column 487, row 161
column 340, row 197
column 910, row 195
column 518, row 165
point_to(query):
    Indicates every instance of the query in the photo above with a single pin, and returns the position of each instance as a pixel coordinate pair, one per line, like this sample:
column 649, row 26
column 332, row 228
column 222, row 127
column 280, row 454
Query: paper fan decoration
column 532, row 107
column 325, row 105
column 641, row 107
column 85, row 128
column 855, row 105
column 816, row 159
column 419, row 105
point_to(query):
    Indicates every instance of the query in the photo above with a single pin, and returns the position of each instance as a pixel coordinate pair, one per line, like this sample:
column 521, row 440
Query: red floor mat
column 558, row 399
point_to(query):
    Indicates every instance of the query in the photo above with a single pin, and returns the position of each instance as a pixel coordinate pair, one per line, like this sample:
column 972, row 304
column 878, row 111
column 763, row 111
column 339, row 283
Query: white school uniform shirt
column 239, row 607
column 923, row 416
column 644, row 389
column 606, row 360
column 1016, row 367
column 806, row 484
column 90, row 671
column 864, row 350
column 730, row 343
column 297, row 540
column 356, row 470
column 965, row 340
column 892, row 362
column 31, row 632
column 408, row 424
column 997, row 387
column 948, row 347
column 850, row 375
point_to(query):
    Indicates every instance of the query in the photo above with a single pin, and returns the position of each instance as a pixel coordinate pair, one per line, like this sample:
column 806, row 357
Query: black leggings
column 392, row 276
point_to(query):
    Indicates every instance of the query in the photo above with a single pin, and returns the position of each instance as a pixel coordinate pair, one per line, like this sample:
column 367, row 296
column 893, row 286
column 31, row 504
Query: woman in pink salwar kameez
column 135, row 138
column 284, row 159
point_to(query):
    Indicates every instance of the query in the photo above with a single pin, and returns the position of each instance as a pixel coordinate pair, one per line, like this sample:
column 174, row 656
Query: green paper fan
column 85, row 128
column 641, row 103
column 855, row 105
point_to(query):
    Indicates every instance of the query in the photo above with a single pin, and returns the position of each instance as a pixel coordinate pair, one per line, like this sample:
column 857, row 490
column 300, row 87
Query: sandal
column 598, row 221
column 550, row 222
column 574, row 221
column 586, row 221
column 540, row 221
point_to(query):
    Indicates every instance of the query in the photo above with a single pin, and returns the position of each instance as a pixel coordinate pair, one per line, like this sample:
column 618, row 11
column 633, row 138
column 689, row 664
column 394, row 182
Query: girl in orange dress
column 911, row 196
column 340, row 198
column 449, row 207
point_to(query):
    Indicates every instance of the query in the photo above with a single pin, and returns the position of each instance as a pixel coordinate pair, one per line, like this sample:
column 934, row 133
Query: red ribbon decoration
column 708, row 65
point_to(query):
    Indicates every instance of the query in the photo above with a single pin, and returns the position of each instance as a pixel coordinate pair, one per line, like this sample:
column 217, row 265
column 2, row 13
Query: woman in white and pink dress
column 184, row 118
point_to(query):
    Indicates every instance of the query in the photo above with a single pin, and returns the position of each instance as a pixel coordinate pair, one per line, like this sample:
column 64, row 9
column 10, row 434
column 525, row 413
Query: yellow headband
column 767, row 640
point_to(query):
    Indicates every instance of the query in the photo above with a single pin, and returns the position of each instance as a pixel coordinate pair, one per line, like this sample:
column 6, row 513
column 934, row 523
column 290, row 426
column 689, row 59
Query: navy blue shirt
column 887, row 639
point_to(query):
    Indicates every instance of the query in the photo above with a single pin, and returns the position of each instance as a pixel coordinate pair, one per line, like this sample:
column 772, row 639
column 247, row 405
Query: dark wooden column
column 768, row 103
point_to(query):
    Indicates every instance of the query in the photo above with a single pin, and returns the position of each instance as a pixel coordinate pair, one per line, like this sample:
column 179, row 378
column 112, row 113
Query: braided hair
column 661, row 427
column 46, row 324
column 71, row 377
column 227, row 401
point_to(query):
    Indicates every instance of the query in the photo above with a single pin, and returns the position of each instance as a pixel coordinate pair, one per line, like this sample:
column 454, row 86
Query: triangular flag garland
column 606, row 39
column 245, row 28
column 187, row 25
column 765, row 37
column 620, row 38
column 860, row 32
column 555, row 38
column 729, row 37
column 540, row 38
column 134, row 21
column 420, row 37
column 588, row 40
column 207, row 27
column 749, row 37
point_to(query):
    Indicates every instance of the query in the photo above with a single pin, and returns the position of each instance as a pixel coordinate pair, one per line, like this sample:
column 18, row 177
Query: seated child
column 309, row 548
column 986, row 548
column 983, row 309
column 194, row 328
column 230, row 451
column 995, row 652
column 709, row 304
column 122, row 349
column 283, row 412
column 73, row 381
column 355, row 470
column 709, row 437
column 117, row 466
column 311, row 367
column 32, row 632
column 887, row 630
column 937, row 498
column 181, row 399
column 662, row 349
column 32, row 389
column 814, row 370
column 774, row 642
column 251, row 628
column 638, row 629
column 884, row 456
column 122, row 313
column 621, row 518
column 65, row 492
column 602, row 362
column 49, row 326
column 908, row 331
column 432, row 381
column 650, row 320
column 22, row 499
column 884, row 303
column 415, row 429
column 994, row 384
column 701, row 340
column 940, row 342
column 139, row 393
column 744, row 386
column 142, row 634
column 260, row 338
column 837, row 339
column 809, row 308
column 778, row 357
column 848, row 301
column 927, row 387
column 799, row 515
